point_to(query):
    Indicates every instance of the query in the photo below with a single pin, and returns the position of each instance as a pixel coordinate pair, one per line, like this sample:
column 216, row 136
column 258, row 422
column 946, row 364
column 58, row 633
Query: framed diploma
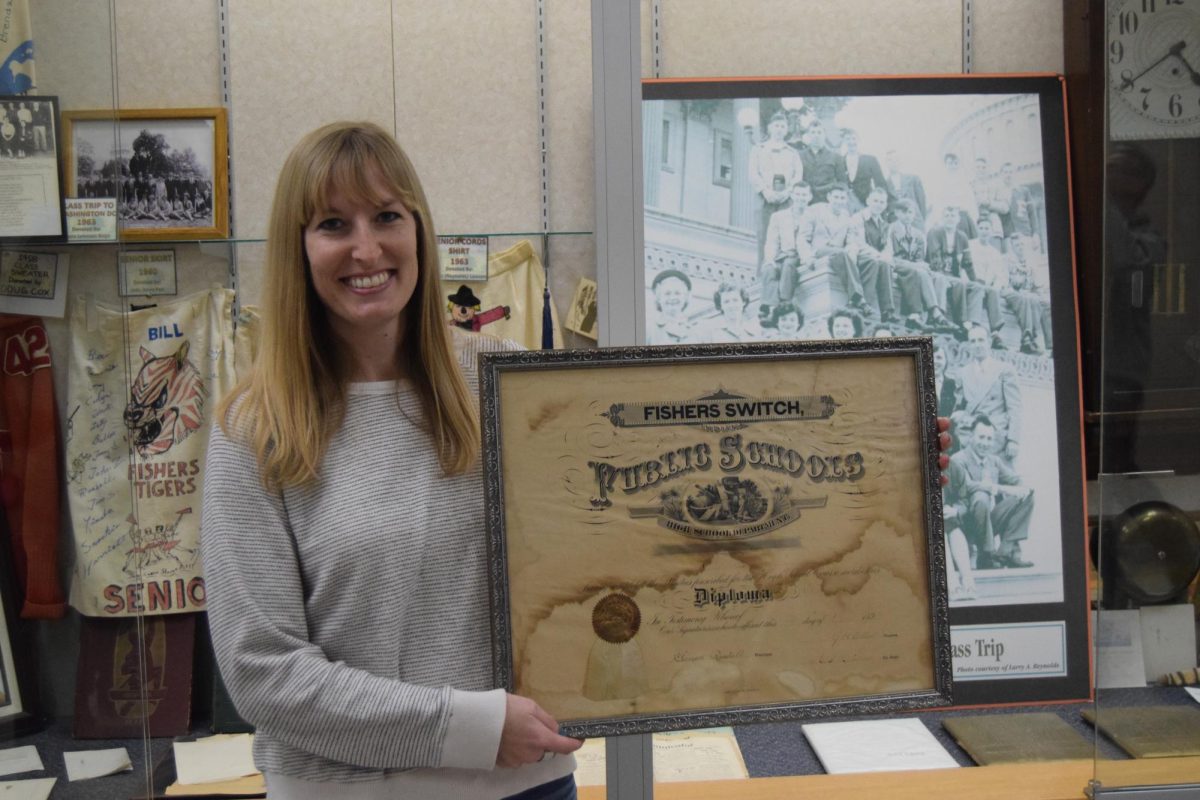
column 31, row 205
column 703, row 535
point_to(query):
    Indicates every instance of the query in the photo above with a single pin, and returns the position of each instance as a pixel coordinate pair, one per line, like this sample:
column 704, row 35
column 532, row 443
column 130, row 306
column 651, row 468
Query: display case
column 161, row 125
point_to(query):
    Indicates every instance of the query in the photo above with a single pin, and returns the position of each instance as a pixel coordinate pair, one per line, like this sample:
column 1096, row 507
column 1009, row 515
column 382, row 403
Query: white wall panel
column 810, row 37
column 1018, row 36
column 168, row 54
column 73, row 52
column 466, row 110
column 294, row 66
column 569, row 109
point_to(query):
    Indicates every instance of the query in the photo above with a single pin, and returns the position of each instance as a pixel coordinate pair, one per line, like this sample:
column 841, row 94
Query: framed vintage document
column 683, row 537
column 166, row 168
column 906, row 205
column 31, row 205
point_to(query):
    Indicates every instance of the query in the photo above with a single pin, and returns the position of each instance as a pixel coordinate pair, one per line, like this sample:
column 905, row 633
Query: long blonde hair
column 292, row 403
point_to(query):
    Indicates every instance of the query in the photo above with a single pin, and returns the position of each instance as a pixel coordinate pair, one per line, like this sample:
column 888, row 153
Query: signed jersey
column 29, row 471
column 142, row 386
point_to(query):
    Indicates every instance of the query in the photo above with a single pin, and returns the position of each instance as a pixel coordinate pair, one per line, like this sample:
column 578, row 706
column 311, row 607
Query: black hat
column 464, row 297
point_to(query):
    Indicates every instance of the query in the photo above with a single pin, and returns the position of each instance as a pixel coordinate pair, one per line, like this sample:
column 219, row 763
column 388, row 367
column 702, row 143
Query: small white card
column 876, row 745
column 1195, row 693
column 463, row 258
column 33, row 283
column 215, row 758
column 1119, row 660
column 1168, row 639
column 146, row 273
column 91, row 219
column 84, row 764
column 36, row 789
column 20, row 759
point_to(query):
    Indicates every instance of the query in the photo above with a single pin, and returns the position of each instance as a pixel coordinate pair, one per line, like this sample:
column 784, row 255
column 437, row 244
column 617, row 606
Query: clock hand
column 1191, row 70
column 1176, row 50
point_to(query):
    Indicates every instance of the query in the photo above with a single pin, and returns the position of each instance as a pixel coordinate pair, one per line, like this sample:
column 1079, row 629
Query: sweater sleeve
column 283, row 683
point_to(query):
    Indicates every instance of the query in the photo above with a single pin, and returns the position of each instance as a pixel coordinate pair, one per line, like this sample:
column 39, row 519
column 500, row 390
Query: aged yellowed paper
column 682, row 538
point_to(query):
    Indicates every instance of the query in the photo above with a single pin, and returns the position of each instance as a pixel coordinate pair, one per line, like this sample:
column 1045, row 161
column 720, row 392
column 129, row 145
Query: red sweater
column 29, row 476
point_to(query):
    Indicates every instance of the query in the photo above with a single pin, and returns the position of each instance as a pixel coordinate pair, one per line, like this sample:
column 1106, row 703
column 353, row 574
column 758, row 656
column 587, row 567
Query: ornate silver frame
column 920, row 349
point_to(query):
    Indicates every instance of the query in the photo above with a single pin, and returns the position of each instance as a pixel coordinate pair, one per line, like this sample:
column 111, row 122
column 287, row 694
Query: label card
column 33, row 283
column 145, row 273
column 463, row 258
column 91, row 219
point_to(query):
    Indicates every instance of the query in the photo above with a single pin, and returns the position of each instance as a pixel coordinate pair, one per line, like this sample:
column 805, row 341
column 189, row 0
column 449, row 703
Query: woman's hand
column 529, row 734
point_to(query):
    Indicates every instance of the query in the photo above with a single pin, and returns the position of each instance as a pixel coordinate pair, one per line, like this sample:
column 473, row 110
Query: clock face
column 1153, row 69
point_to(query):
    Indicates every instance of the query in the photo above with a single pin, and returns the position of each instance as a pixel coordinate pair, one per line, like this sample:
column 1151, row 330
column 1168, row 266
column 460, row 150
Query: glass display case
column 162, row 124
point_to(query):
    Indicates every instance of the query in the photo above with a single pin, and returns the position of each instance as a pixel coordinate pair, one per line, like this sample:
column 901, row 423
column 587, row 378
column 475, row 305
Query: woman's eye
column 331, row 224
column 389, row 216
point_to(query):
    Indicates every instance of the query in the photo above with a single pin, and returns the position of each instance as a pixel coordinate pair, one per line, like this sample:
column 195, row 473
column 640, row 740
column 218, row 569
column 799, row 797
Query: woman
column 731, row 326
column 672, row 292
column 845, row 323
column 786, row 321
column 343, row 519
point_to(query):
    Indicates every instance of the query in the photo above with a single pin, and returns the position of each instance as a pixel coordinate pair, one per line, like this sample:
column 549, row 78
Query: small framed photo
column 30, row 188
column 166, row 168
column 683, row 537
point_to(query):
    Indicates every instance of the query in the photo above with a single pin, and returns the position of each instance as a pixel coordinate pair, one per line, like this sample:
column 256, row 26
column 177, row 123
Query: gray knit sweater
column 350, row 617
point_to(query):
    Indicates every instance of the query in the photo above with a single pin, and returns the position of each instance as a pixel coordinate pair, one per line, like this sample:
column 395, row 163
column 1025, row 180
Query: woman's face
column 671, row 296
column 788, row 326
column 732, row 304
column 843, row 328
column 363, row 260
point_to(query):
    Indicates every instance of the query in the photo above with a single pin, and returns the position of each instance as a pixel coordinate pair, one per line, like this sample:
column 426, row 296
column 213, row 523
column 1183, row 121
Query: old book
column 1011, row 738
column 130, row 674
column 1150, row 731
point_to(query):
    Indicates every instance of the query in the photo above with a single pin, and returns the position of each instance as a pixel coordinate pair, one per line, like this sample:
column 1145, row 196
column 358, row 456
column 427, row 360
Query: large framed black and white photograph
column 783, row 209
column 703, row 535
column 166, row 169
column 31, row 206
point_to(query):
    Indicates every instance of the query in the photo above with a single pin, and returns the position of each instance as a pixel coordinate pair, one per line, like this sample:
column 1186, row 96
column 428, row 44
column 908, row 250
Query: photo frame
column 29, row 168
column 167, row 169
column 989, row 154
column 684, row 537
column 20, row 710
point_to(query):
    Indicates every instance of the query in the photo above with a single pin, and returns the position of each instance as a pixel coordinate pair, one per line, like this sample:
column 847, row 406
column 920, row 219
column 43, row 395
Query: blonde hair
column 292, row 403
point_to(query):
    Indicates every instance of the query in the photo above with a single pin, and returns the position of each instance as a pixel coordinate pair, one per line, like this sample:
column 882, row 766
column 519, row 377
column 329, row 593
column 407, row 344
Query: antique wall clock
column 1153, row 69
column 1133, row 88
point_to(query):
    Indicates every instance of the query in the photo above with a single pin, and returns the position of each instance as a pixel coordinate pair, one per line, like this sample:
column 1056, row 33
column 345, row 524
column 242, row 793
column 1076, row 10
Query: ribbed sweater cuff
column 473, row 735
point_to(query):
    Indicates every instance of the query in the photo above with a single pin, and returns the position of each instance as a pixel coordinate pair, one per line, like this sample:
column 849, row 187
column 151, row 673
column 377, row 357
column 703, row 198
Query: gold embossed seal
column 616, row 618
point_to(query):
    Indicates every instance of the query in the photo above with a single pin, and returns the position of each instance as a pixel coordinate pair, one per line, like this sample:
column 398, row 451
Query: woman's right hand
column 529, row 734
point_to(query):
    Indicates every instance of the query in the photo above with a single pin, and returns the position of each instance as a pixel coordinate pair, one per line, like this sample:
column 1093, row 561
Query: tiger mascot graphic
column 166, row 401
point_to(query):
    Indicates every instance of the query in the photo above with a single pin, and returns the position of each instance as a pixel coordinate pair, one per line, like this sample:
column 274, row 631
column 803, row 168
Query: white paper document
column 1168, row 639
column 710, row 754
column 36, row 789
column 20, row 759
column 1195, row 693
column 1119, row 660
column 215, row 758
column 84, row 764
column 876, row 745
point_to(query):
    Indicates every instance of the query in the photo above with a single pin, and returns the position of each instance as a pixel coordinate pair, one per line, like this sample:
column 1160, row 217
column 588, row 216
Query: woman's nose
column 365, row 244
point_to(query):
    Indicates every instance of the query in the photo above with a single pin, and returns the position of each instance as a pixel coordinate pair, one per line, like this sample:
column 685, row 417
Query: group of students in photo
column 905, row 263
column 146, row 194
column 24, row 127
